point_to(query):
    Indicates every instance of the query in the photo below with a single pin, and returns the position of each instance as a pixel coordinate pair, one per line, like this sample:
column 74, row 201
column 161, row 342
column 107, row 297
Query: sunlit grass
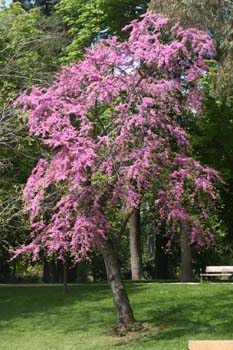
column 44, row 318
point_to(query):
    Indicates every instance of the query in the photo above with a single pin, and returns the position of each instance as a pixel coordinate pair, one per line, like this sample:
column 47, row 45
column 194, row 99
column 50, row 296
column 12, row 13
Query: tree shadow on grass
column 51, row 304
column 207, row 316
column 84, row 307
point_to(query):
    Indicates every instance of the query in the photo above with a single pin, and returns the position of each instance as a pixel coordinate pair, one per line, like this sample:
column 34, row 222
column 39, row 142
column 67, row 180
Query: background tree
column 89, row 21
column 212, row 132
column 25, row 59
column 135, row 245
column 46, row 6
column 214, row 17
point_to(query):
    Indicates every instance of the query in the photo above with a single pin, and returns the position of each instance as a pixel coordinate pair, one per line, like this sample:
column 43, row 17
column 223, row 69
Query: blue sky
column 8, row 2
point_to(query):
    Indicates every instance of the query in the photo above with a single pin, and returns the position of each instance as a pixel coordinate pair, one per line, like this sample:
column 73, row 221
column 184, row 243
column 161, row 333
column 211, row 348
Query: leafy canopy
column 88, row 21
column 112, row 124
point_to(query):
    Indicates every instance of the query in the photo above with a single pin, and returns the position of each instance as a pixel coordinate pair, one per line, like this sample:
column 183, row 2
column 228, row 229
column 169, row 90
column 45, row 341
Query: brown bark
column 135, row 245
column 125, row 317
column 186, row 258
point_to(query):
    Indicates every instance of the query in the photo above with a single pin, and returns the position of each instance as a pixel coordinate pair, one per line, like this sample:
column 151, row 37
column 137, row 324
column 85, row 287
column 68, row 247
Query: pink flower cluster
column 111, row 123
column 188, row 198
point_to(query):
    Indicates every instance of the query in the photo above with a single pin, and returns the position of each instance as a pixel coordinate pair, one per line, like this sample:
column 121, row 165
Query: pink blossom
column 111, row 124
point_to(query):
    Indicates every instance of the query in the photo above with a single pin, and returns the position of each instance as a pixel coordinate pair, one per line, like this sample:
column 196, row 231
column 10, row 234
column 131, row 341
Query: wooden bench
column 217, row 271
column 210, row 345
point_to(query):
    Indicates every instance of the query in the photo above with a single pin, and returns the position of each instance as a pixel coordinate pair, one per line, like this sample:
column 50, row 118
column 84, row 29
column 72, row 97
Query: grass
column 44, row 318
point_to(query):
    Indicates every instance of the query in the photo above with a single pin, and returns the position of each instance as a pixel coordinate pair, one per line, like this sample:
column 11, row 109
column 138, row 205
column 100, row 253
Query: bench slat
column 210, row 345
column 219, row 268
column 216, row 274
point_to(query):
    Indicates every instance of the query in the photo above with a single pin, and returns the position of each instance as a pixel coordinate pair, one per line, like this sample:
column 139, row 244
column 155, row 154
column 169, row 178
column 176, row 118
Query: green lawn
column 44, row 318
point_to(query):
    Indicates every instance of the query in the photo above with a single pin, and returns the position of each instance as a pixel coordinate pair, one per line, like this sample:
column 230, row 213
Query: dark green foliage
column 30, row 46
column 46, row 6
column 213, row 142
column 88, row 21
column 212, row 132
column 119, row 13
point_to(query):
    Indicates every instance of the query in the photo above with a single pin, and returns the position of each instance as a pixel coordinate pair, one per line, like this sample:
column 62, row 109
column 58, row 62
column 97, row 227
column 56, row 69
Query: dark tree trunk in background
column 49, row 272
column 53, row 271
column 5, row 272
column 71, row 272
column 186, row 258
column 60, row 272
column 161, row 258
column 135, row 245
column 125, row 317
column 98, row 268
column 14, row 271
column 65, row 276
column 45, row 277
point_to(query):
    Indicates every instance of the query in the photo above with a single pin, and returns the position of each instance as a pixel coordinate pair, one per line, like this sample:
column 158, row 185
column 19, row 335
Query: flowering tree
column 112, row 124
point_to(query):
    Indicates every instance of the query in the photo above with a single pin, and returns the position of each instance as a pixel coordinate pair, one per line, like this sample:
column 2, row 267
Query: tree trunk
column 72, row 271
column 4, row 265
column 161, row 258
column 186, row 258
column 59, row 271
column 49, row 272
column 125, row 317
column 135, row 245
column 14, row 271
column 65, row 274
